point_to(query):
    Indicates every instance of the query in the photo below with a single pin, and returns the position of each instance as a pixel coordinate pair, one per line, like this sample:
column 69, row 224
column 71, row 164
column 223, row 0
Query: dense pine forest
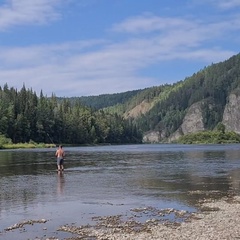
column 105, row 100
column 25, row 117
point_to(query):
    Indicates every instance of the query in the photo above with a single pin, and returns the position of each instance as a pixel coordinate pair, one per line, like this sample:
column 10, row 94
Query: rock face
column 231, row 115
column 142, row 108
column 193, row 121
column 152, row 137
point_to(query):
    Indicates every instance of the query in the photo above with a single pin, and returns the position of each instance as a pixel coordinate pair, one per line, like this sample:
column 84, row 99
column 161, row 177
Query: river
column 109, row 180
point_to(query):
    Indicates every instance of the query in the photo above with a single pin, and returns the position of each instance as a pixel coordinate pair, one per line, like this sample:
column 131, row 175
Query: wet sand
column 217, row 219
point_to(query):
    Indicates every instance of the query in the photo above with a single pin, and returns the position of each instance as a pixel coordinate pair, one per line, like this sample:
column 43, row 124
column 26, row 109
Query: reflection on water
column 112, row 179
column 60, row 182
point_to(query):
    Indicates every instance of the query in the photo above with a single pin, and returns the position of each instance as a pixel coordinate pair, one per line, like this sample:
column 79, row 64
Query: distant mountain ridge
column 198, row 103
column 106, row 100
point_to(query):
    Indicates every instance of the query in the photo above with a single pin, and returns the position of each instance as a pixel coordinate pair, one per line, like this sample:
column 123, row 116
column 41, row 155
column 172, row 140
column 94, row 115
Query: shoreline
column 216, row 219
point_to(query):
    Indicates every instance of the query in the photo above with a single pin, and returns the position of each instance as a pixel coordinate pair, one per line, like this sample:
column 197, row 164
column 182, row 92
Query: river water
column 109, row 180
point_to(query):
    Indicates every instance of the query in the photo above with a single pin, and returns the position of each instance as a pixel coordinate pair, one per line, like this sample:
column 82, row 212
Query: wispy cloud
column 27, row 12
column 171, row 38
column 222, row 4
column 103, row 65
column 147, row 23
column 227, row 4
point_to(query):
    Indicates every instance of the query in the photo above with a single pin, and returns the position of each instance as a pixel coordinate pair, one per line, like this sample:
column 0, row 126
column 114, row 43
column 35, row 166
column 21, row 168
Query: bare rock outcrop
column 231, row 115
column 141, row 108
column 192, row 122
column 152, row 137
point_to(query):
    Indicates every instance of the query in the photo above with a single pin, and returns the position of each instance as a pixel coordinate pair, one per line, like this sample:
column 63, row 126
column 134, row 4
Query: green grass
column 210, row 137
column 27, row 145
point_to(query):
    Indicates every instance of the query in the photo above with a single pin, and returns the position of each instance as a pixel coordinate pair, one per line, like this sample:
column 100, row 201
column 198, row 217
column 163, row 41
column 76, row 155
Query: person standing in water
column 60, row 154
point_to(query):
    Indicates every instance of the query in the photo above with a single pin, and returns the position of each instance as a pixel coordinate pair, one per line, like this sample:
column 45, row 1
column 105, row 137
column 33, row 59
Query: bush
column 215, row 137
column 4, row 140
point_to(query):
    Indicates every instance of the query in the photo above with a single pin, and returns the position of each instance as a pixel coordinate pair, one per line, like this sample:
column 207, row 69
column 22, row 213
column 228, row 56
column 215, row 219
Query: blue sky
column 91, row 47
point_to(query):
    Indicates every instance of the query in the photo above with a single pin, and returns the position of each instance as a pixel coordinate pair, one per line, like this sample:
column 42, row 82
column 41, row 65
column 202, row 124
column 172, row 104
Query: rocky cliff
column 193, row 121
column 231, row 115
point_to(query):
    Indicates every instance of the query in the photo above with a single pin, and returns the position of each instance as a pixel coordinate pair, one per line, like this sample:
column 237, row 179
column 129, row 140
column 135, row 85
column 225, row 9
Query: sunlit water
column 109, row 180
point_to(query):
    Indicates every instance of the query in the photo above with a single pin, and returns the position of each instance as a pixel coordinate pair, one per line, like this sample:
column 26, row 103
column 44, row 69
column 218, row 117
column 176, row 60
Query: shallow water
column 109, row 180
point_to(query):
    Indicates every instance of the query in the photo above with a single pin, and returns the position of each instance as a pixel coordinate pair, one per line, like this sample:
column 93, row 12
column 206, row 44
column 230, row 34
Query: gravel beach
column 216, row 219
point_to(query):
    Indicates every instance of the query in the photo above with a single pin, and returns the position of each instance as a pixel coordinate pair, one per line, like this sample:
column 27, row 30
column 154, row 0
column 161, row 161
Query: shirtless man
column 60, row 154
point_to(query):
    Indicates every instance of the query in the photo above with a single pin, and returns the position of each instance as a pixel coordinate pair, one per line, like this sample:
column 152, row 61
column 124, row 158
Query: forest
column 26, row 117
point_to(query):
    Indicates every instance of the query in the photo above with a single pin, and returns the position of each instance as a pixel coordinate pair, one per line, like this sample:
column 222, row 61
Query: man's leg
column 61, row 164
column 58, row 164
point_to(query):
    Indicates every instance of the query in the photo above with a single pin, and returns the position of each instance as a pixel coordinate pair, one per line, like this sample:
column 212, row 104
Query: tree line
column 26, row 117
column 99, row 119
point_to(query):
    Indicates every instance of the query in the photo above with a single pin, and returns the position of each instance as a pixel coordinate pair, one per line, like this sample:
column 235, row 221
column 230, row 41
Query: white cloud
column 169, row 38
column 227, row 4
column 96, row 67
column 222, row 4
column 148, row 23
column 40, row 54
column 27, row 12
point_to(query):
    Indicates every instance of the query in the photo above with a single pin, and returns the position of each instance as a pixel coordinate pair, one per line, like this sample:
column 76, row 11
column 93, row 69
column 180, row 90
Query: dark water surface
column 109, row 180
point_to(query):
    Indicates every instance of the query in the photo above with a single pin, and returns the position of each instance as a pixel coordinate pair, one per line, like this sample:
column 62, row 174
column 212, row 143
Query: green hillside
column 168, row 103
column 104, row 100
column 212, row 85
